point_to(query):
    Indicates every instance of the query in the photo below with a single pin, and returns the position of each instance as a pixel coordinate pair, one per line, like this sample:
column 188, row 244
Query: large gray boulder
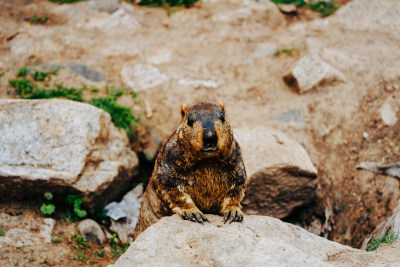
column 257, row 241
column 62, row 146
column 280, row 173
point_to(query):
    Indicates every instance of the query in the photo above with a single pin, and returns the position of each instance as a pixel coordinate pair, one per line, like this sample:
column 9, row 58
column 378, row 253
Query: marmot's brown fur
column 199, row 170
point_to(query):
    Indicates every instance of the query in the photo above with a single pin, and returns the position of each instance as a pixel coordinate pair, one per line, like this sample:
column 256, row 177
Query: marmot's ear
column 222, row 105
column 183, row 109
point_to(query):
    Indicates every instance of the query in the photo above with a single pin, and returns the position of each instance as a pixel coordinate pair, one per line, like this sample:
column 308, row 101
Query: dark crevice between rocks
column 310, row 217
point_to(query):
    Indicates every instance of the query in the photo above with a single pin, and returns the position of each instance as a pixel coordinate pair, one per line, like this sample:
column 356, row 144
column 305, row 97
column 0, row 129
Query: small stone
column 142, row 77
column 86, row 72
column 109, row 6
column 92, row 231
column 309, row 72
column 287, row 116
column 365, row 135
column 153, row 146
column 199, row 83
column 289, row 9
column 388, row 115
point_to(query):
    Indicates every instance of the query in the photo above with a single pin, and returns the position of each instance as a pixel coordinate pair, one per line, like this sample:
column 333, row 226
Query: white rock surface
column 388, row 112
column 311, row 71
column 48, row 145
column 280, row 173
column 125, row 214
column 142, row 77
column 370, row 15
column 258, row 241
column 199, row 83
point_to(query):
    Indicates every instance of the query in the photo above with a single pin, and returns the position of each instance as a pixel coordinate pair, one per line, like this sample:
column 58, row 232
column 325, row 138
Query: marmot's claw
column 235, row 215
column 195, row 216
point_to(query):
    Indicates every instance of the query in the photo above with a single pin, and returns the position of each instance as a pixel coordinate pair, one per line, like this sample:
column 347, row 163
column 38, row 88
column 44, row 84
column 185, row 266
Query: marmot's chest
column 208, row 186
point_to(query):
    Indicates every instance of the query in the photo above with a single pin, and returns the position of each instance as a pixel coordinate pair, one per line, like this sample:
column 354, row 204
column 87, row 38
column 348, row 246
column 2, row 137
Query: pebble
column 290, row 115
column 86, row 72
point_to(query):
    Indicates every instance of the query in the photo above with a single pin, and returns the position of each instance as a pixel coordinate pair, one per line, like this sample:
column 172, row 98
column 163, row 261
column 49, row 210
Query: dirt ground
column 341, row 124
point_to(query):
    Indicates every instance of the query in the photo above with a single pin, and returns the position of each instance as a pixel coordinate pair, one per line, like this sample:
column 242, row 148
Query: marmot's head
column 205, row 129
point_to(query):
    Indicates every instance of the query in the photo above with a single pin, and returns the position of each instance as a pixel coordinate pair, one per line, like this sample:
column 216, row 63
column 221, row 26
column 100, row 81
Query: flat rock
column 287, row 116
column 310, row 72
column 280, row 173
column 258, row 241
column 382, row 16
column 388, row 112
column 60, row 145
column 86, row 72
column 141, row 77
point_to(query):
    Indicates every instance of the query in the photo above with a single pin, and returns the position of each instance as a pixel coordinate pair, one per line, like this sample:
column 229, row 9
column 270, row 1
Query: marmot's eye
column 222, row 118
column 190, row 121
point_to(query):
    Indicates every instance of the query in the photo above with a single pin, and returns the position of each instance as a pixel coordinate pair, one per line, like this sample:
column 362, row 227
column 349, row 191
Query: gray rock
column 287, row 116
column 125, row 214
column 310, row 72
column 280, row 173
column 362, row 15
column 58, row 145
column 153, row 146
column 109, row 6
column 92, row 231
column 199, row 83
column 142, row 77
column 388, row 112
column 119, row 21
column 258, row 241
column 86, row 72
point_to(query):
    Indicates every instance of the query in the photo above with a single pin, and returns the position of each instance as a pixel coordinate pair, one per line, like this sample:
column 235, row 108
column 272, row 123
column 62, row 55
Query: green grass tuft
column 39, row 20
column 388, row 238
column 121, row 116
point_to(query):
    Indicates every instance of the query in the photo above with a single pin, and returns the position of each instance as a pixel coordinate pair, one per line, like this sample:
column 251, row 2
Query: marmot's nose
column 209, row 138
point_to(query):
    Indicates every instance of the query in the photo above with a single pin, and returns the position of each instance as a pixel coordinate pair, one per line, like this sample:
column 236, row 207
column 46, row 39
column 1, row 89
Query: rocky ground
column 331, row 84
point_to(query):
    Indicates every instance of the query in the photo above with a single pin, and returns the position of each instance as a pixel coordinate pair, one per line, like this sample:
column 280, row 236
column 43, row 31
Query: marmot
column 198, row 170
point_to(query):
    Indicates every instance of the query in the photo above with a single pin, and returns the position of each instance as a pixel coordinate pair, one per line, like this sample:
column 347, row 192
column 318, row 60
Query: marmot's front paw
column 194, row 215
column 233, row 214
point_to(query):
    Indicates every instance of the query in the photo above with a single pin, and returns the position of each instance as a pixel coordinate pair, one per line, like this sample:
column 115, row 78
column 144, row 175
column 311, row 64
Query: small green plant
column 43, row 75
column 81, row 243
column 1, row 74
column 3, row 231
column 99, row 254
column 22, row 72
column 38, row 20
column 121, row 116
column 388, row 238
column 45, row 261
column 55, row 240
column 283, row 52
column 48, row 209
column 117, row 247
column 79, row 256
column 76, row 202
column 322, row 7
